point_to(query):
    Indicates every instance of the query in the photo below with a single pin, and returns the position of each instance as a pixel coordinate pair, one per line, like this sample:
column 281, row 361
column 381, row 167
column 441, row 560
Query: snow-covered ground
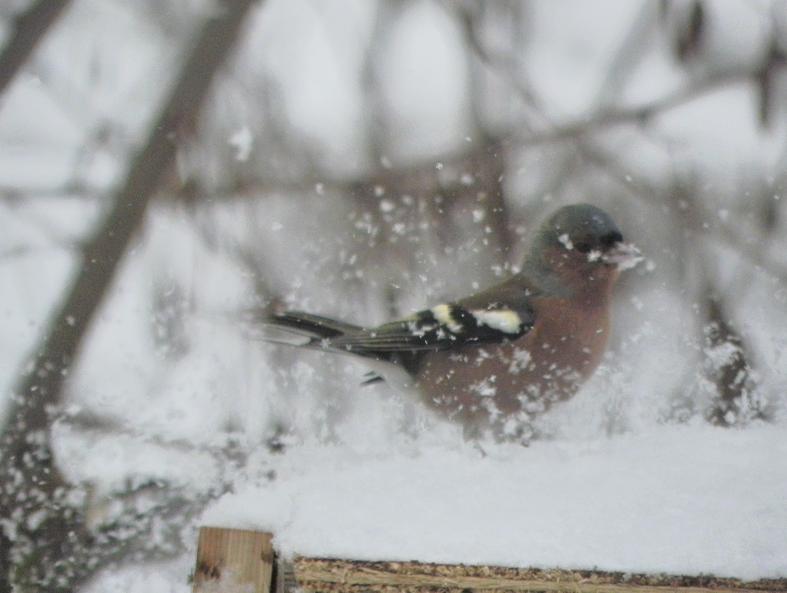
column 685, row 499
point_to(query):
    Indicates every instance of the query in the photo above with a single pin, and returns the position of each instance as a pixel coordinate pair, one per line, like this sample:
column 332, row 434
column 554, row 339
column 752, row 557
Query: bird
column 494, row 361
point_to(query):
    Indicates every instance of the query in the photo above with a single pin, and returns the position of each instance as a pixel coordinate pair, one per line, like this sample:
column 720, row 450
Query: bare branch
column 29, row 30
column 96, row 425
column 638, row 114
column 629, row 55
column 720, row 232
column 40, row 554
column 12, row 194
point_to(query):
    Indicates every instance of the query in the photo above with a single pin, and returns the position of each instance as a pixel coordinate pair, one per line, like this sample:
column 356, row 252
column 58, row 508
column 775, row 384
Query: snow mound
column 676, row 499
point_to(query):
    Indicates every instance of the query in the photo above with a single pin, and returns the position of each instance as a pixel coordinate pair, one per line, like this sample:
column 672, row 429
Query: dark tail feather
column 322, row 327
column 371, row 378
column 296, row 328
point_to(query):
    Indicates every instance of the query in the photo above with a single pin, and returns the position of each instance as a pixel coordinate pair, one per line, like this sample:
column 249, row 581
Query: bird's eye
column 610, row 239
column 583, row 247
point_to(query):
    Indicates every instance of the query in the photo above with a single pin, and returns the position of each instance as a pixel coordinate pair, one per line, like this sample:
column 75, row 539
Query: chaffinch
column 495, row 359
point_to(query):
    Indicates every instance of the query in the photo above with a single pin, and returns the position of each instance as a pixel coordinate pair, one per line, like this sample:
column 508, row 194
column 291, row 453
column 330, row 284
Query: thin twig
column 720, row 232
column 637, row 114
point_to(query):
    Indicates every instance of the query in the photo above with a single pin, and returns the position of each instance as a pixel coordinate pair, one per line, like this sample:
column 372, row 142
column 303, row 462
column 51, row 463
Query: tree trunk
column 29, row 29
column 45, row 544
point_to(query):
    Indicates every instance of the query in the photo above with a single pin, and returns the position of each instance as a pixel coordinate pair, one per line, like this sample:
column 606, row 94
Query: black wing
column 500, row 314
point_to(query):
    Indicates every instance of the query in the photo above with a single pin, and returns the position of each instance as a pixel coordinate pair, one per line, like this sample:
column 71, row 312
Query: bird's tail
column 296, row 328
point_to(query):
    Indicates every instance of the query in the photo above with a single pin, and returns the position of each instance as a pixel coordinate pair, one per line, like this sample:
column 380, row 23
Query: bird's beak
column 623, row 255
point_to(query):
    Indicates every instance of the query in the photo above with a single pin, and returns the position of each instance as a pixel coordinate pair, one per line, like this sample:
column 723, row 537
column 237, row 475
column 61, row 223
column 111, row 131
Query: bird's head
column 583, row 247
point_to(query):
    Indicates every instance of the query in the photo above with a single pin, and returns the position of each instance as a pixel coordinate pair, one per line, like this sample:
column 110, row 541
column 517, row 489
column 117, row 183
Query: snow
column 242, row 141
column 566, row 241
column 675, row 499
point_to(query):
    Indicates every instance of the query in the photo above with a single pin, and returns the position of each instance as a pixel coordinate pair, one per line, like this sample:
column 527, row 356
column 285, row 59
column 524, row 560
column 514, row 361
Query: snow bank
column 683, row 500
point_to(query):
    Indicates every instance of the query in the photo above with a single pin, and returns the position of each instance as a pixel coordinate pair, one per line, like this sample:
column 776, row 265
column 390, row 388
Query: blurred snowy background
column 361, row 160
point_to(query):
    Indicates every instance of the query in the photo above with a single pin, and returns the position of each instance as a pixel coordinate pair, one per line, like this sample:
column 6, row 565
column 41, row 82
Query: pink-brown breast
column 501, row 386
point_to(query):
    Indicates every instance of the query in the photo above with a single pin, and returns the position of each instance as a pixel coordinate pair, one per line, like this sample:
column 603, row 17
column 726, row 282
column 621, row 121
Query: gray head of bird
column 581, row 246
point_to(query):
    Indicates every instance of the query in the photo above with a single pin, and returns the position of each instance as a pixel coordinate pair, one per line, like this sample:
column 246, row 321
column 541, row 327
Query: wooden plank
column 313, row 575
column 285, row 580
column 236, row 561
column 233, row 561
